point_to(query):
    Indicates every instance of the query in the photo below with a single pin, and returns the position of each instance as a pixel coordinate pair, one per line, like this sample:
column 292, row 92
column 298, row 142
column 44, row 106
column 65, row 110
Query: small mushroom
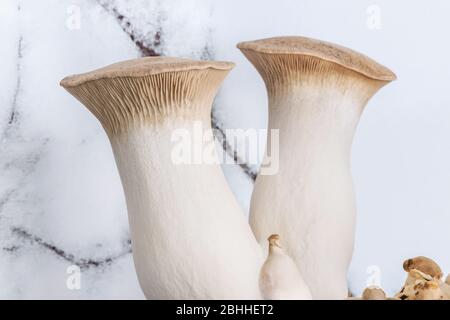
column 420, row 270
column 373, row 293
column 279, row 278
column 447, row 281
column 425, row 265
column 424, row 281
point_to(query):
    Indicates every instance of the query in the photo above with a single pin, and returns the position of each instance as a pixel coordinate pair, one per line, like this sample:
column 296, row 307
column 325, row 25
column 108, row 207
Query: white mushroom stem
column 189, row 236
column 317, row 92
column 280, row 278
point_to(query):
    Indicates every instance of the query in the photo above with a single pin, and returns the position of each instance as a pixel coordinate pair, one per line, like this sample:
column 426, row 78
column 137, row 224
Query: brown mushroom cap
column 373, row 293
column 144, row 67
column 326, row 51
column 423, row 264
column 273, row 240
column 149, row 90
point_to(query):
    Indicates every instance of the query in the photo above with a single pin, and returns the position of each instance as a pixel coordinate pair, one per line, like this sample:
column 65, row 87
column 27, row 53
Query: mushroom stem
column 189, row 236
column 279, row 278
column 317, row 92
column 424, row 281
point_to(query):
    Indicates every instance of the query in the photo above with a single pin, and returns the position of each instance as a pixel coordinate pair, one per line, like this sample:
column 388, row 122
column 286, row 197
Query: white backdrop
column 61, row 201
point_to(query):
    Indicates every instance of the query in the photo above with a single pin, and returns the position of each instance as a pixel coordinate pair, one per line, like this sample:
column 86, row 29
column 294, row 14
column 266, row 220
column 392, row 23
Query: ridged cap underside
column 340, row 55
column 144, row 67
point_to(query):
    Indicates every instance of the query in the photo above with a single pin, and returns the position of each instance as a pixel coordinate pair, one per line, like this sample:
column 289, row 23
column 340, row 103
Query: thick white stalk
column 315, row 101
column 189, row 236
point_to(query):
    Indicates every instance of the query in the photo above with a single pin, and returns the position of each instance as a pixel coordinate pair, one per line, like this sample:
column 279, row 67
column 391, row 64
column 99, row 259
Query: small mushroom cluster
column 424, row 282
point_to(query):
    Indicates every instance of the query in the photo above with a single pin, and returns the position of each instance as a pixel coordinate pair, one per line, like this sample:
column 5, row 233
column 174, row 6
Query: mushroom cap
column 447, row 281
column 373, row 293
column 148, row 91
column 273, row 240
column 144, row 67
column 424, row 265
column 347, row 58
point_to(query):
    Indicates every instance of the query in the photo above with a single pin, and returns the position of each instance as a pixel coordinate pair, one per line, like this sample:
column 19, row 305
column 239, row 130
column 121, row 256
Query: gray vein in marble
column 144, row 49
column 13, row 113
column 5, row 197
column 11, row 249
column 33, row 158
column 155, row 50
column 83, row 263
column 26, row 164
column 13, row 119
column 219, row 132
column 221, row 137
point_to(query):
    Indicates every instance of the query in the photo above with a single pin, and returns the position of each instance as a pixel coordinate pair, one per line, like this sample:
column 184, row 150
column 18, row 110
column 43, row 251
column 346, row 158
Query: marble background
column 61, row 202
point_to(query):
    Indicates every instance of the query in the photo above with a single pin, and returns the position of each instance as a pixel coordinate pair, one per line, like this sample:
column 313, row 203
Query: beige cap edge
column 142, row 67
column 330, row 52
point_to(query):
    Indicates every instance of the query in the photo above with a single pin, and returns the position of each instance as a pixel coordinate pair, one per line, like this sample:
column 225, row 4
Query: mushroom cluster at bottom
column 423, row 282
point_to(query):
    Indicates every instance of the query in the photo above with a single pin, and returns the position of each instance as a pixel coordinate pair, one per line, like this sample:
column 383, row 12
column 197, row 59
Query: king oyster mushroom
column 317, row 92
column 181, row 215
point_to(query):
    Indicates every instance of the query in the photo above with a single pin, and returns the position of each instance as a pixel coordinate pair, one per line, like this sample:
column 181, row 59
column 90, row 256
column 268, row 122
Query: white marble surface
column 61, row 201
